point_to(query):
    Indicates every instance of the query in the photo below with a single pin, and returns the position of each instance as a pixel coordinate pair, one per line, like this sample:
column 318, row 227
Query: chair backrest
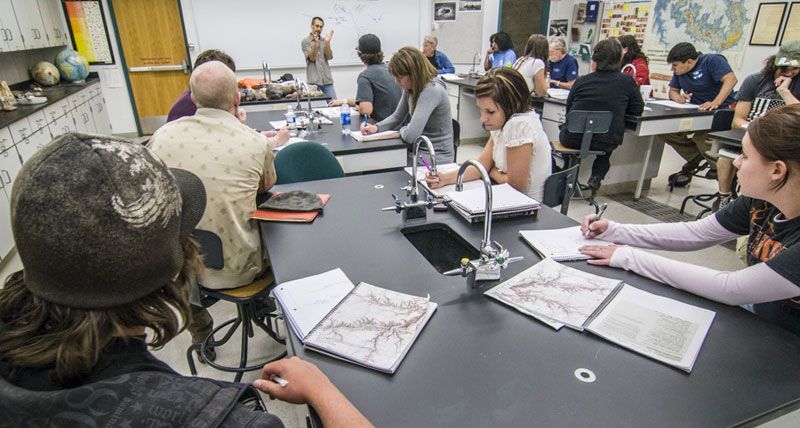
column 306, row 161
column 456, row 139
column 211, row 247
column 588, row 123
column 722, row 120
column 559, row 187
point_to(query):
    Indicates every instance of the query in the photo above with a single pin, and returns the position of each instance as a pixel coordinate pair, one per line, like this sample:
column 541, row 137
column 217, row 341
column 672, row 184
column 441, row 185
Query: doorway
column 155, row 58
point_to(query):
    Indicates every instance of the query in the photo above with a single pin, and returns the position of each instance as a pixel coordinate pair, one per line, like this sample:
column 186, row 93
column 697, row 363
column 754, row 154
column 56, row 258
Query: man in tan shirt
column 234, row 162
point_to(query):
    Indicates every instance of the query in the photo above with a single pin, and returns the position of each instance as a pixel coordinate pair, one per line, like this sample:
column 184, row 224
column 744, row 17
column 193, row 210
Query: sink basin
column 440, row 245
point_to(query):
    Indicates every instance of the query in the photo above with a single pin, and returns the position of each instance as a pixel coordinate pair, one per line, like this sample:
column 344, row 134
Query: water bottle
column 290, row 119
column 344, row 117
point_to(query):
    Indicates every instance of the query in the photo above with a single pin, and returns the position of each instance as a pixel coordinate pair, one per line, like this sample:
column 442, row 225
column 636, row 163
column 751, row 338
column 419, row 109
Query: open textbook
column 440, row 192
column 367, row 325
column 657, row 327
column 383, row 135
column 560, row 244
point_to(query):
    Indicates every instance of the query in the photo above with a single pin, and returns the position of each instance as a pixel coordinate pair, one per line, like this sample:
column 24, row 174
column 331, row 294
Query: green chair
column 306, row 161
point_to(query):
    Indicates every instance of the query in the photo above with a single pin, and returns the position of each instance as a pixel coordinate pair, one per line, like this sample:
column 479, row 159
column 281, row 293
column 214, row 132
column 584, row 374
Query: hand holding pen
column 366, row 128
column 593, row 224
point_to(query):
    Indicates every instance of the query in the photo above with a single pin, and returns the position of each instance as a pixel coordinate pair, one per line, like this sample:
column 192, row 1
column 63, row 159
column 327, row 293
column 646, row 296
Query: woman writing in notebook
column 518, row 152
column 768, row 213
column 532, row 64
column 425, row 99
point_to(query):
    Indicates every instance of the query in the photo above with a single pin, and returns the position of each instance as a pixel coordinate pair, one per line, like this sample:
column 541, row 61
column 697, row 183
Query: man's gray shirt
column 377, row 86
column 317, row 72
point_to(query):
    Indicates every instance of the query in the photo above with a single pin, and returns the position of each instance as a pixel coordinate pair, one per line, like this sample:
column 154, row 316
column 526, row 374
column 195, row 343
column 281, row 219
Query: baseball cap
column 788, row 55
column 100, row 221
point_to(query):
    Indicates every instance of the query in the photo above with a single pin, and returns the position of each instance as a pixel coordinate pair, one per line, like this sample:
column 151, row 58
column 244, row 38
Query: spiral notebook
column 367, row 325
column 560, row 244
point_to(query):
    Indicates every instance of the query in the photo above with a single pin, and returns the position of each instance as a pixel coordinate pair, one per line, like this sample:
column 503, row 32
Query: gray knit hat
column 99, row 221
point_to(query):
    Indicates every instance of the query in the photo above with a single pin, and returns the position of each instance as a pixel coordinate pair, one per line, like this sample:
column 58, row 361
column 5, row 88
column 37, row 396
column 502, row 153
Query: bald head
column 213, row 85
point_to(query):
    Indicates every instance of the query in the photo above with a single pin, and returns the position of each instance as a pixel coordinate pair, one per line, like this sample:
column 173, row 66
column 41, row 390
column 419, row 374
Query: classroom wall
column 753, row 55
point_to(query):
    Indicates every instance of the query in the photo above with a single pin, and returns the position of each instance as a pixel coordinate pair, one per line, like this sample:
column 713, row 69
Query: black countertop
column 479, row 363
column 53, row 94
column 656, row 112
column 330, row 135
column 283, row 101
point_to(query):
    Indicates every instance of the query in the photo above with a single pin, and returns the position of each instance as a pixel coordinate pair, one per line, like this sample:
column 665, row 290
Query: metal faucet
column 631, row 66
column 415, row 209
column 492, row 260
column 267, row 71
column 475, row 58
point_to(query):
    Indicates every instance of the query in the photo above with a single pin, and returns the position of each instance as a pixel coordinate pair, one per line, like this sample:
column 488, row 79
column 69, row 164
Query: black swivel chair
column 245, row 299
column 587, row 123
column 559, row 188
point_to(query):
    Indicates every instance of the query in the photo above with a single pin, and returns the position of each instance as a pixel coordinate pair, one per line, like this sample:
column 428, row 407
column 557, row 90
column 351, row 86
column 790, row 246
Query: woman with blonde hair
column 424, row 108
column 518, row 152
column 532, row 64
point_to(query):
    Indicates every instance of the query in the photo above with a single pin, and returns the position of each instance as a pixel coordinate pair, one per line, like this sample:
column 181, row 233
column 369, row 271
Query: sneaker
column 711, row 174
column 679, row 179
column 594, row 184
column 721, row 202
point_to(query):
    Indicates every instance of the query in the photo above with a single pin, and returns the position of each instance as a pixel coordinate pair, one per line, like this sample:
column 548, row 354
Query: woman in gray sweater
column 423, row 109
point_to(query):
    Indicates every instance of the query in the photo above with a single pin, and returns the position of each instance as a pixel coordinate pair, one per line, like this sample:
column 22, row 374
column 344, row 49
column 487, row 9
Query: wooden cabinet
column 83, row 111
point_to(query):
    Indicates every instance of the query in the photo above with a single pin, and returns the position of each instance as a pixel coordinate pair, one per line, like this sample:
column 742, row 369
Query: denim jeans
column 328, row 90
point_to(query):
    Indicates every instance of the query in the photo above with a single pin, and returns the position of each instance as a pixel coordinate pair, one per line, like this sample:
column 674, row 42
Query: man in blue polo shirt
column 563, row 68
column 707, row 81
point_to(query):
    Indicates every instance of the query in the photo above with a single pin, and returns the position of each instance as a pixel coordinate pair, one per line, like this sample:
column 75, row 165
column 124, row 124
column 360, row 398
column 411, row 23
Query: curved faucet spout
column 414, row 192
column 486, row 244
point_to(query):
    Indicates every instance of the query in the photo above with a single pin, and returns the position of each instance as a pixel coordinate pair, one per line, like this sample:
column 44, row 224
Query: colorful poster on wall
column 625, row 18
column 89, row 32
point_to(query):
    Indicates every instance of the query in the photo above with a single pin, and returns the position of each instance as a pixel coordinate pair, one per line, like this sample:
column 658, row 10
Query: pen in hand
column 279, row 380
column 588, row 231
column 600, row 213
column 424, row 162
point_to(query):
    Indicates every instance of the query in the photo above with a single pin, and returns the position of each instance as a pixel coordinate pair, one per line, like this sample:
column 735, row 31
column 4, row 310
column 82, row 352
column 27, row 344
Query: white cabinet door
column 56, row 110
column 6, row 142
column 9, row 168
column 20, row 129
column 11, row 34
column 38, row 120
column 62, row 125
column 6, row 237
column 30, row 23
column 83, row 119
column 33, row 143
column 52, row 17
column 101, row 121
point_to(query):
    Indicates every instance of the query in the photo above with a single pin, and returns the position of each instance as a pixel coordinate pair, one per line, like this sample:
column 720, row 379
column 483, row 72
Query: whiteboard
column 253, row 31
column 460, row 40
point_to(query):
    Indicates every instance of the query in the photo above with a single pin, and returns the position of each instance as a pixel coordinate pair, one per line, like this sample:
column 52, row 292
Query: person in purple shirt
column 184, row 106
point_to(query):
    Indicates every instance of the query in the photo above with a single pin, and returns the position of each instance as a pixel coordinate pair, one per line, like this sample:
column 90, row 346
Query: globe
column 45, row 73
column 72, row 65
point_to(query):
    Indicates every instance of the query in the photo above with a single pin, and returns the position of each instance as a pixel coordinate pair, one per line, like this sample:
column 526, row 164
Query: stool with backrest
column 246, row 299
column 721, row 122
column 559, row 188
column 587, row 123
column 305, row 161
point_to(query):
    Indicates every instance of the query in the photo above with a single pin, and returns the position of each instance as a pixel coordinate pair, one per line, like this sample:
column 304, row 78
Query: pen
column 600, row 213
column 279, row 380
column 366, row 117
column 424, row 162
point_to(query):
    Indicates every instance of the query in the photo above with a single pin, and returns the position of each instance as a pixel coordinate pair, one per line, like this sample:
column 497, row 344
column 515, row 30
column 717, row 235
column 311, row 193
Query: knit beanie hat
column 100, row 221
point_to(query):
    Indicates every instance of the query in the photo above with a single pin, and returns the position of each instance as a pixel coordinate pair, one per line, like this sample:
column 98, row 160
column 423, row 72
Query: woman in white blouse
column 532, row 64
column 518, row 152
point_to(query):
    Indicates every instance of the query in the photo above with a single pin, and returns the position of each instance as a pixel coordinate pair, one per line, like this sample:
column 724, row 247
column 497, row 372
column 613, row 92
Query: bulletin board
column 87, row 24
column 625, row 18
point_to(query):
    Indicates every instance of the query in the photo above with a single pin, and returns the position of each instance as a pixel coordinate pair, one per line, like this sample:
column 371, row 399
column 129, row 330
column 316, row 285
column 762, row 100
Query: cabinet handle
column 5, row 37
column 8, row 176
